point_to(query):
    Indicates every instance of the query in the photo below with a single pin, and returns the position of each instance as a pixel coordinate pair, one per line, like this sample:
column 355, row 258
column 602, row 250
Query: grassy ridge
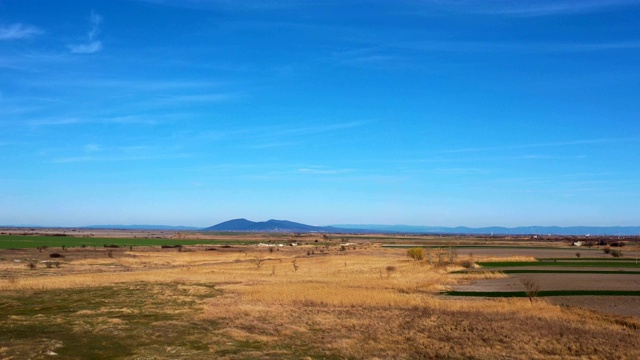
column 24, row 242
column 545, row 293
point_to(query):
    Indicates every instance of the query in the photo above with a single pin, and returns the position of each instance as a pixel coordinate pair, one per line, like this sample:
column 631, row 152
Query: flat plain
column 157, row 295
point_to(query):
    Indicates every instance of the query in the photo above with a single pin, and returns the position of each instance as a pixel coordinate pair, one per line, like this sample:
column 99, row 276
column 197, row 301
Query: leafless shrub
column 531, row 288
column 430, row 256
column 32, row 264
column 452, row 254
column 390, row 270
column 258, row 260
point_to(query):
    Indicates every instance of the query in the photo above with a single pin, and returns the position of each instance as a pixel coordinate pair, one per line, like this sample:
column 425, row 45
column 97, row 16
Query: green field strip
column 479, row 247
column 525, row 271
column 605, row 264
column 546, row 293
column 24, row 242
column 628, row 259
column 536, row 271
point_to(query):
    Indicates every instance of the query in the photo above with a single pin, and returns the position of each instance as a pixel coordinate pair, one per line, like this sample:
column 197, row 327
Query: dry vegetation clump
column 506, row 259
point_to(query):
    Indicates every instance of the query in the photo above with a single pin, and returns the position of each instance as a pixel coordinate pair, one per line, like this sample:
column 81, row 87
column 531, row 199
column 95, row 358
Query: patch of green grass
column 398, row 246
column 628, row 259
column 31, row 241
column 600, row 264
column 103, row 322
column 531, row 271
column 553, row 271
column 545, row 293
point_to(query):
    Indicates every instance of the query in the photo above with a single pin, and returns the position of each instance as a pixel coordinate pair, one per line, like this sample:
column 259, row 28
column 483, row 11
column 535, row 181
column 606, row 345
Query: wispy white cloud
column 322, row 171
column 54, row 122
column 530, row 8
column 92, row 148
column 129, row 84
column 75, row 159
column 90, row 48
column 281, row 136
column 553, row 7
column 92, row 119
column 246, row 5
column 308, row 130
column 96, row 153
column 96, row 21
column 212, row 97
column 93, row 45
column 19, row 31
column 543, row 145
column 278, row 136
column 366, row 56
column 457, row 46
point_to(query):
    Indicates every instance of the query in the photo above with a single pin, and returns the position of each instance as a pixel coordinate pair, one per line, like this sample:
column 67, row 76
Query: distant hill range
column 496, row 230
column 242, row 225
column 142, row 227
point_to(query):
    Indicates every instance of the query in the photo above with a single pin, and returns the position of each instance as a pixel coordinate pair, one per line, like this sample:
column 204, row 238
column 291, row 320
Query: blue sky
column 431, row 112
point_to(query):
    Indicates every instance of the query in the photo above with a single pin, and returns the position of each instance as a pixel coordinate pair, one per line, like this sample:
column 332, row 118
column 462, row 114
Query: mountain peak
column 272, row 225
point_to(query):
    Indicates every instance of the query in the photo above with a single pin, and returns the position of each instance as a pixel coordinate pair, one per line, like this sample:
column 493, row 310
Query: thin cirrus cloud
column 122, row 120
column 534, row 8
column 542, row 145
column 549, row 8
column 93, row 45
column 322, row 171
column 19, row 31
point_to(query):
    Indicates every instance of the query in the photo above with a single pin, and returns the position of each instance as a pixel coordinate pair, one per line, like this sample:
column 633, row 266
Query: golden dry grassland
column 247, row 302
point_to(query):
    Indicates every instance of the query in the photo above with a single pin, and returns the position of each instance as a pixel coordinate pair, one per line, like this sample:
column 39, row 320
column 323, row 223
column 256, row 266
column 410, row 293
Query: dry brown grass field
column 295, row 302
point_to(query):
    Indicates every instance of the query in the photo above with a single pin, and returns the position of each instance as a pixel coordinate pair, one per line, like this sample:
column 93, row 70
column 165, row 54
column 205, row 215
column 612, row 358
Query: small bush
column 416, row 253
column 616, row 253
column 578, row 255
column 607, row 250
column 468, row 264
column 390, row 270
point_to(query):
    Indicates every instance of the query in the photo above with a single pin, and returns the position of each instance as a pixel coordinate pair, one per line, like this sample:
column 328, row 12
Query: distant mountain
column 242, row 225
column 142, row 227
column 497, row 230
